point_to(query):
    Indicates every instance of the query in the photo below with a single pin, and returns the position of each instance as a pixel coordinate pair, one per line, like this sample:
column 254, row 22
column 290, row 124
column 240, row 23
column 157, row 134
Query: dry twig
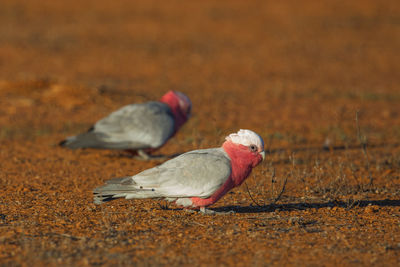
column 364, row 150
column 283, row 190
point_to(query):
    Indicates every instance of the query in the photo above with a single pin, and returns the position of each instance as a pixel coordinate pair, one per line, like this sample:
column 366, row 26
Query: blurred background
column 315, row 60
column 312, row 60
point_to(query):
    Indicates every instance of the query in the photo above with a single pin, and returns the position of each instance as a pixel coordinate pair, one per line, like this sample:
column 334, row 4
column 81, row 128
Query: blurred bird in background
column 137, row 128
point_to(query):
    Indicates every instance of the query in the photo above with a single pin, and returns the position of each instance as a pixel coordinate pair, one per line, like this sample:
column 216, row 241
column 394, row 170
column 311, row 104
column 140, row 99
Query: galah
column 140, row 128
column 195, row 179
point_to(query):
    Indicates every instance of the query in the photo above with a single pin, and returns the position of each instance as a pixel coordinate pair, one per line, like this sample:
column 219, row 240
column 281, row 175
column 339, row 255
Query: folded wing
column 136, row 126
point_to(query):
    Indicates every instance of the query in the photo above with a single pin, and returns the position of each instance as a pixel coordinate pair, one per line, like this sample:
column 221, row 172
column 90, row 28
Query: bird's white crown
column 246, row 138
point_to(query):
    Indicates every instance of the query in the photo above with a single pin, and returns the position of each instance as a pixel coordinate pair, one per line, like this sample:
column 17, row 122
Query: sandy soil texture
column 318, row 80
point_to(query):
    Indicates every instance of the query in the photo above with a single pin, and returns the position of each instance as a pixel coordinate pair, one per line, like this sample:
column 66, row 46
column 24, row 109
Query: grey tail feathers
column 78, row 141
column 85, row 140
column 119, row 187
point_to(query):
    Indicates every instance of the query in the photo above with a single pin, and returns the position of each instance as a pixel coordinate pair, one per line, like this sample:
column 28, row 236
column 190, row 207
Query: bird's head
column 185, row 105
column 180, row 105
column 246, row 147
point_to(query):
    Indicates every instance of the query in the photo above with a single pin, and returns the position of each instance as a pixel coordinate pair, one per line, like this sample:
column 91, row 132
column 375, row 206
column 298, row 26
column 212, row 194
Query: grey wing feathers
column 136, row 126
column 197, row 173
column 149, row 124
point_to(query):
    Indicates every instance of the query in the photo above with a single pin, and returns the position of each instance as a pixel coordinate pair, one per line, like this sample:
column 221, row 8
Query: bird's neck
column 173, row 104
column 242, row 161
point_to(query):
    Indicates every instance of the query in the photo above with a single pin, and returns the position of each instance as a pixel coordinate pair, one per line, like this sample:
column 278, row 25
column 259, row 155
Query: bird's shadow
column 305, row 206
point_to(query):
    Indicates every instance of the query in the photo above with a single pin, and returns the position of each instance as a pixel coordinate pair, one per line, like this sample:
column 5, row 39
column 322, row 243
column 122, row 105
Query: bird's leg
column 205, row 211
column 142, row 155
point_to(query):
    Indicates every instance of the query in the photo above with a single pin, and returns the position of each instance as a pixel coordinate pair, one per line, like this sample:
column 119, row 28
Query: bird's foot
column 205, row 211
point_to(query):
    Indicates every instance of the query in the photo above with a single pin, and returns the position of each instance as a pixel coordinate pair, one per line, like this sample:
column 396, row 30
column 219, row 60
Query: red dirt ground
column 295, row 72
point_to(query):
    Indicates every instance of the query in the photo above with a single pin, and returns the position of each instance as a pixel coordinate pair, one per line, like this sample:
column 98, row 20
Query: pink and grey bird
column 137, row 127
column 194, row 179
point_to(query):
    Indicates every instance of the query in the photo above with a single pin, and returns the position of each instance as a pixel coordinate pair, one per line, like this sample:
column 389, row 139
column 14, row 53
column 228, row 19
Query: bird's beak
column 263, row 154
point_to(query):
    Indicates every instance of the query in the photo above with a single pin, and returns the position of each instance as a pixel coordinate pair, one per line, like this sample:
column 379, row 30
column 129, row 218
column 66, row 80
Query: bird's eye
column 253, row 148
